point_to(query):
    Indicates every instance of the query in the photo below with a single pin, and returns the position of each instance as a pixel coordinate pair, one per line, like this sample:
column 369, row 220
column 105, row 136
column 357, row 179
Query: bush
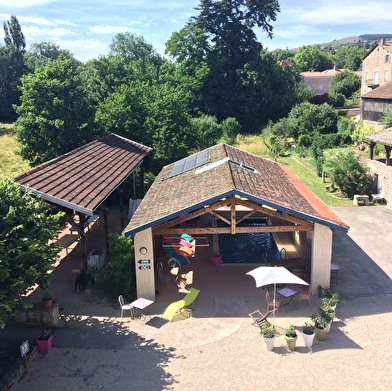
column 119, row 277
column 350, row 176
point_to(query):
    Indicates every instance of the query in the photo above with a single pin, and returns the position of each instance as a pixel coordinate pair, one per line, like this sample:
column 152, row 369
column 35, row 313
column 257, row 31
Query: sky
column 87, row 27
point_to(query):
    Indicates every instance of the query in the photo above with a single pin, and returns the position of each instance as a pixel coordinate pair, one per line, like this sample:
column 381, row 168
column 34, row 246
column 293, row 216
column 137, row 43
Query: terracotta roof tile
column 83, row 178
column 239, row 173
column 382, row 92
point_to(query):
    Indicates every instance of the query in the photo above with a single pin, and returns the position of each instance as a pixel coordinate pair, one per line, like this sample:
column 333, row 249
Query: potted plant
column 308, row 334
column 44, row 341
column 321, row 320
column 268, row 333
column 291, row 337
column 46, row 297
column 327, row 309
column 331, row 297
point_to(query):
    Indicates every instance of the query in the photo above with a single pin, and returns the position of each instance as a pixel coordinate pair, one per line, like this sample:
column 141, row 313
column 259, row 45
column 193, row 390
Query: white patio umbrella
column 272, row 275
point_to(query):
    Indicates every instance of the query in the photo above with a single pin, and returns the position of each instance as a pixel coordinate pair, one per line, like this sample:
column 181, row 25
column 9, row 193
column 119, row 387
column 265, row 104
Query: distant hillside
column 365, row 38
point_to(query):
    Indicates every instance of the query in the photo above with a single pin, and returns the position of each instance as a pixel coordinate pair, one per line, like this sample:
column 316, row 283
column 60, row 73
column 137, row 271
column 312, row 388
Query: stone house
column 377, row 67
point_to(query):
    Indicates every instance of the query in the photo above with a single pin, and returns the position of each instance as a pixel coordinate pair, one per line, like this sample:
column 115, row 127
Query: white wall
column 145, row 277
column 321, row 257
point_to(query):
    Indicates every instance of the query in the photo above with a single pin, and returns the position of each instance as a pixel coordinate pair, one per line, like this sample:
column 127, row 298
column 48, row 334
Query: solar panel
column 190, row 162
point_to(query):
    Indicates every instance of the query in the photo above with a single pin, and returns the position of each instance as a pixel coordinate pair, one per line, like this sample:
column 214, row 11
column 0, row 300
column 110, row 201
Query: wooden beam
column 233, row 217
column 227, row 230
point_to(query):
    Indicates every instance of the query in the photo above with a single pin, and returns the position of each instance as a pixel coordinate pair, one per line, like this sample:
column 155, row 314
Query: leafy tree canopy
column 40, row 53
column 26, row 226
column 55, row 115
column 345, row 83
column 311, row 58
column 13, row 35
column 310, row 119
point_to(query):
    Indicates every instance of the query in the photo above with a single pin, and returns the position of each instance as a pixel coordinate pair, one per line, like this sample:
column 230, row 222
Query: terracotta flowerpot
column 44, row 345
column 47, row 303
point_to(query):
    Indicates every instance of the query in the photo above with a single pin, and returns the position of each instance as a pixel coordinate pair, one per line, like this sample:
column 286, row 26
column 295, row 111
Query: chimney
column 382, row 42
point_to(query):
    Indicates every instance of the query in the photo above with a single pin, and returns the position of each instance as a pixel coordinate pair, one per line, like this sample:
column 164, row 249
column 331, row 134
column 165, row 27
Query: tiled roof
column 229, row 172
column 382, row 92
column 384, row 137
column 83, row 178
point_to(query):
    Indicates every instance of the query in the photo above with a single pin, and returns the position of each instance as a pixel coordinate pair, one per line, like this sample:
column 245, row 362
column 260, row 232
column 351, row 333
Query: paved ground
column 218, row 349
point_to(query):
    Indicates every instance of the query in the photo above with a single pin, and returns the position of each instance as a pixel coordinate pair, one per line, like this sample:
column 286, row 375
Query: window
column 386, row 75
column 376, row 77
column 387, row 58
column 366, row 76
column 377, row 59
column 320, row 87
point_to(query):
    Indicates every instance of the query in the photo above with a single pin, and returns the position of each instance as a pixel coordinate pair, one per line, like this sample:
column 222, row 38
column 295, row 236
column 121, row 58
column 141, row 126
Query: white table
column 287, row 295
column 140, row 304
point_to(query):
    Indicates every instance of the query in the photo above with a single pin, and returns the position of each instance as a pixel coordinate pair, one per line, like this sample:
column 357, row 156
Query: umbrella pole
column 273, row 318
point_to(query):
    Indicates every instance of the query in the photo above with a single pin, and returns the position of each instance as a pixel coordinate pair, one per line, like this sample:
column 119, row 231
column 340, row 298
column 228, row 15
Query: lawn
column 11, row 164
column 254, row 144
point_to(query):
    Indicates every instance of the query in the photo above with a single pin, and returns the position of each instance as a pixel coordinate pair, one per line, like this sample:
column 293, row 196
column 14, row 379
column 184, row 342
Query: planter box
column 44, row 345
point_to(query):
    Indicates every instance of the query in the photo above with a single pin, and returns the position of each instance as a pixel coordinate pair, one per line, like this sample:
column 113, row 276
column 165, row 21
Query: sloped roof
column 386, row 45
column 382, row 92
column 384, row 137
column 229, row 172
column 84, row 178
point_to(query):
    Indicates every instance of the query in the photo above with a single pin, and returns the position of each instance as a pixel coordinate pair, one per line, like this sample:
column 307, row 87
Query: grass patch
column 254, row 144
column 11, row 164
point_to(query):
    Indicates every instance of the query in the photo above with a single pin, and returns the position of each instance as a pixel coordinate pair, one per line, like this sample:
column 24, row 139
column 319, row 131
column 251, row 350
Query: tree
column 13, row 35
column 311, row 58
column 124, row 112
column 350, row 57
column 55, row 115
column 26, row 226
column 153, row 114
column 345, row 83
column 189, row 49
column 12, row 68
column 228, row 26
column 386, row 119
column 40, row 53
column 207, row 131
column 310, row 120
column 131, row 59
column 350, row 175
column 135, row 50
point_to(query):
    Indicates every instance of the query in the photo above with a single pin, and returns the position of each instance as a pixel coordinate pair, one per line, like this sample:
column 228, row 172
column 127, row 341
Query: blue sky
column 87, row 27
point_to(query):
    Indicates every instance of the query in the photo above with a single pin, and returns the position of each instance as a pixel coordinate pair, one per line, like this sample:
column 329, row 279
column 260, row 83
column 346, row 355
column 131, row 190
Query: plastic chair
column 305, row 295
column 270, row 303
column 162, row 277
column 124, row 306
